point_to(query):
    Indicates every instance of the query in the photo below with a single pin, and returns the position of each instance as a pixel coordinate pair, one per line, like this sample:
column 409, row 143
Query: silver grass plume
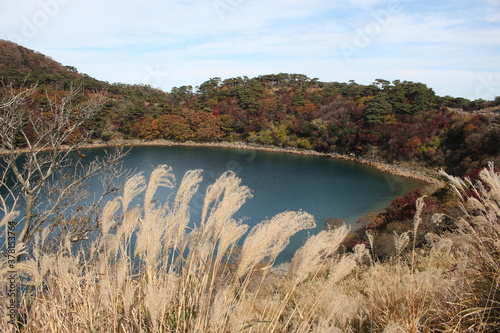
column 178, row 216
column 161, row 176
column 268, row 238
column 314, row 252
column 149, row 236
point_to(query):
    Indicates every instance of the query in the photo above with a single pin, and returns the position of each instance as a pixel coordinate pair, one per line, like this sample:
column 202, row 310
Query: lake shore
column 427, row 176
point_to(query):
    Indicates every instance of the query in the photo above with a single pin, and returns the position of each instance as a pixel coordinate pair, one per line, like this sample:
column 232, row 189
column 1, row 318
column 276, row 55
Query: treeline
column 393, row 121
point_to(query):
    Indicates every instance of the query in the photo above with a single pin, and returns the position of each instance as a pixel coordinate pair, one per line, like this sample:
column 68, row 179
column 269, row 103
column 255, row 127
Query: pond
column 324, row 187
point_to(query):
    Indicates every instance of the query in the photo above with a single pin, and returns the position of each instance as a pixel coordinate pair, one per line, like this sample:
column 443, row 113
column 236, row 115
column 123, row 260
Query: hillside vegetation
column 397, row 121
column 426, row 263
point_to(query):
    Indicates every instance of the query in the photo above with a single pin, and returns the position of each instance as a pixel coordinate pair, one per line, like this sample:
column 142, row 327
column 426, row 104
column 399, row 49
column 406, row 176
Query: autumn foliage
column 390, row 121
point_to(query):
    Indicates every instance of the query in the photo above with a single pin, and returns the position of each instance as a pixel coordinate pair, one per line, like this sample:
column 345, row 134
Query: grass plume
column 150, row 270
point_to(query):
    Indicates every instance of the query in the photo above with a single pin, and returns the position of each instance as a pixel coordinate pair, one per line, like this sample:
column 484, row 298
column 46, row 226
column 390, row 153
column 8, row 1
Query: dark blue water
column 324, row 187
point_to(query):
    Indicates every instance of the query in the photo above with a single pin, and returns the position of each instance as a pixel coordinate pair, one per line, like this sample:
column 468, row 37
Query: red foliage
column 401, row 209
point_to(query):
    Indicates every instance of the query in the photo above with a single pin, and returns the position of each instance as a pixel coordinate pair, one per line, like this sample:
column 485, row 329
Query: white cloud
column 369, row 4
column 172, row 43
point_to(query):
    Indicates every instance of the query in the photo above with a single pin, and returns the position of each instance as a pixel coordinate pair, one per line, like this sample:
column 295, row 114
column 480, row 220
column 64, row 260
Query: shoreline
column 397, row 170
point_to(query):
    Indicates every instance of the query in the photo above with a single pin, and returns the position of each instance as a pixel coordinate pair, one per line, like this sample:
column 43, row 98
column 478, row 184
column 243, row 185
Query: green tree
column 181, row 95
column 382, row 84
column 208, row 89
column 410, row 98
column 249, row 96
column 379, row 111
column 299, row 99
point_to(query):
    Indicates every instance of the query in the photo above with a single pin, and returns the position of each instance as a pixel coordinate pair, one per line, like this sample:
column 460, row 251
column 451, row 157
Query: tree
column 206, row 126
column 147, row 129
column 46, row 178
column 175, row 127
column 410, row 98
column 182, row 95
column 382, row 84
column 209, row 88
column 379, row 111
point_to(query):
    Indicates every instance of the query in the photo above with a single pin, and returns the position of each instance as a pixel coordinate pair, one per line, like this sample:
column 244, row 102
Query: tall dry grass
column 479, row 234
column 149, row 271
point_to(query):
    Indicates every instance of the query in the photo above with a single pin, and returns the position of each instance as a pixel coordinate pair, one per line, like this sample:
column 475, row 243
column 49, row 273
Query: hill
column 19, row 65
column 426, row 263
column 396, row 122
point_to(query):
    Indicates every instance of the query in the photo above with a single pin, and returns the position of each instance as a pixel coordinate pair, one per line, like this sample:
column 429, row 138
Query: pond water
column 322, row 186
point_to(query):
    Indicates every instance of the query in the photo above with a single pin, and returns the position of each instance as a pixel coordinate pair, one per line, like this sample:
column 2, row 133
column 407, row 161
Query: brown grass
column 178, row 279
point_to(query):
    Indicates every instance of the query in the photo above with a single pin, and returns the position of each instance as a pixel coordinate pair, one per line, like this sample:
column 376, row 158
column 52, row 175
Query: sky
column 453, row 46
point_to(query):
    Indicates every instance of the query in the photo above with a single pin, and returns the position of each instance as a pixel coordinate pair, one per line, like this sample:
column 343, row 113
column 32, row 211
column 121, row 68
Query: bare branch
column 43, row 167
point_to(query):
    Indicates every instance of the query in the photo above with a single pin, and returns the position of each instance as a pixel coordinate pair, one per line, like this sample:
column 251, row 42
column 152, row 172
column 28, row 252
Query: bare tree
column 46, row 178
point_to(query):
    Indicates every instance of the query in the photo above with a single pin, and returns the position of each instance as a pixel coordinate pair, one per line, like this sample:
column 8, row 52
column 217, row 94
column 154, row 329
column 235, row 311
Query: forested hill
column 21, row 66
column 391, row 121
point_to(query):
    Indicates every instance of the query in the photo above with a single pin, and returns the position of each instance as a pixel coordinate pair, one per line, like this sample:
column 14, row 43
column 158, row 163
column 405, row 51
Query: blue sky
column 452, row 46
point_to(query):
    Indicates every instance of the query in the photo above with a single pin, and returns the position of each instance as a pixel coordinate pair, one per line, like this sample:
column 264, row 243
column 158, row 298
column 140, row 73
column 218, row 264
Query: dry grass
column 149, row 272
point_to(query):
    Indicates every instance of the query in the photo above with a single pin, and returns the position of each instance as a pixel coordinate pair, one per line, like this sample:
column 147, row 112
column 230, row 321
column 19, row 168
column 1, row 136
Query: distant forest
column 398, row 121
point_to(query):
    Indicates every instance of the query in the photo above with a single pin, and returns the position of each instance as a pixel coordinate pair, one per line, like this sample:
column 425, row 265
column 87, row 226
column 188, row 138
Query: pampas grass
column 152, row 269
column 148, row 270
column 480, row 236
column 267, row 239
column 313, row 254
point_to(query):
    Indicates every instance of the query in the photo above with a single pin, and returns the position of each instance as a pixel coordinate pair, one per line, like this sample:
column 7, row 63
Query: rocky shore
column 427, row 176
column 415, row 172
